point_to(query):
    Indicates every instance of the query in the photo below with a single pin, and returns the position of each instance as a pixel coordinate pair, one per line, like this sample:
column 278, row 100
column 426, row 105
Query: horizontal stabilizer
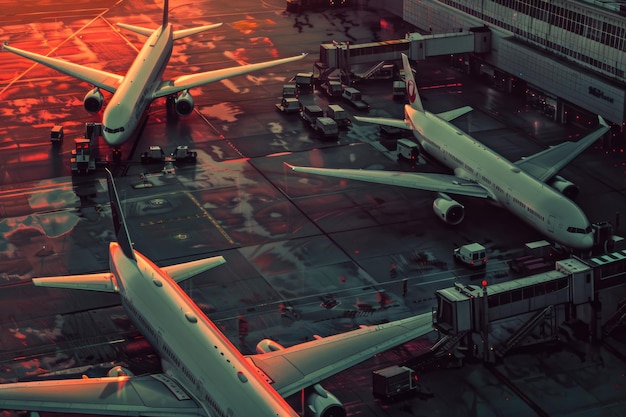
column 178, row 34
column 383, row 121
column 181, row 272
column 137, row 29
column 453, row 114
column 103, row 282
column 422, row 181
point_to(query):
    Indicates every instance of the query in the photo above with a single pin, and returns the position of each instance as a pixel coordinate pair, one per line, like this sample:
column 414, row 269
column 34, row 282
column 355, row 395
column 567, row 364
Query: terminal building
column 569, row 55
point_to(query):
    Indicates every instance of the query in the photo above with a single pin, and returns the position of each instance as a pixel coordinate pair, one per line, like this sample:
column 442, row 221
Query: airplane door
column 551, row 221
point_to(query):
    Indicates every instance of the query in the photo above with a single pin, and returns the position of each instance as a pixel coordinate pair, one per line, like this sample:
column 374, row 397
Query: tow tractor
column 156, row 154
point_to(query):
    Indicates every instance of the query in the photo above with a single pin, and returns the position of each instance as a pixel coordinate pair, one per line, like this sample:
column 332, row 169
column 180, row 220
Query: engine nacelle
column 93, row 101
column 119, row 371
column 565, row 187
column 267, row 346
column 321, row 403
column 449, row 210
column 183, row 104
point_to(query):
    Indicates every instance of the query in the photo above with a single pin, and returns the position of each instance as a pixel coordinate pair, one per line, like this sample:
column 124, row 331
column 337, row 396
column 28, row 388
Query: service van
column 304, row 82
column 290, row 91
column 338, row 114
column 473, row 255
column 408, row 149
column 326, row 127
column 311, row 112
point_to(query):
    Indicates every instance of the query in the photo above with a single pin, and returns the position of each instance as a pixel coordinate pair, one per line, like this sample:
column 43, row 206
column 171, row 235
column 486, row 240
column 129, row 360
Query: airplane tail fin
column 119, row 222
column 411, row 87
column 166, row 10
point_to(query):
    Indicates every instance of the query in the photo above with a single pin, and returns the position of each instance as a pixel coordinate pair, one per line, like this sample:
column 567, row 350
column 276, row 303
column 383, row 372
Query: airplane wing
column 547, row 163
column 106, row 80
column 194, row 80
column 300, row 366
column 180, row 272
column 422, row 181
column 104, row 282
column 122, row 396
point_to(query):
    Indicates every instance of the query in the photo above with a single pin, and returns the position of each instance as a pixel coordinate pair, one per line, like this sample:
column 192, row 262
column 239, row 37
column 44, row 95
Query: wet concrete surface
column 287, row 238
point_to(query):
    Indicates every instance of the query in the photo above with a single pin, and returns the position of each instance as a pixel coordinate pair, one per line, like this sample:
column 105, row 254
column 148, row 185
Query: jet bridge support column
column 485, row 323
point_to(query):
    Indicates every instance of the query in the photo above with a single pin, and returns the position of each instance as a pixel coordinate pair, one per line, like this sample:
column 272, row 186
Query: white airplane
column 134, row 92
column 529, row 188
column 203, row 372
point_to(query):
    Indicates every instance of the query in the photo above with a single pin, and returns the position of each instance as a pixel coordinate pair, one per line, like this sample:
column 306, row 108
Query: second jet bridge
column 532, row 306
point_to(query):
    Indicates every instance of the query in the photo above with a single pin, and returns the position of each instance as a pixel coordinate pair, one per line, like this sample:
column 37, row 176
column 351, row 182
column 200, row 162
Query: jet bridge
column 343, row 55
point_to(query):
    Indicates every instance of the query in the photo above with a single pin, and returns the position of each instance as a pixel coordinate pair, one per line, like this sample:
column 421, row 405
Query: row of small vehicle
column 326, row 123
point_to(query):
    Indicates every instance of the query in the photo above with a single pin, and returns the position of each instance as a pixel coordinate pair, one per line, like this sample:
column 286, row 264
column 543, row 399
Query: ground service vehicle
column 338, row 114
column 399, row 90
column 353, row 96
column 290, row 91
column 181, row 154
column 304, row 82
column 326, row 127
column 81, row 160
column 56, row 134
column 85, row 155
column 310, row 114
column 472, row 254
column 332, row 88
column 407, row 149
column 289, row 105
column 393, row 382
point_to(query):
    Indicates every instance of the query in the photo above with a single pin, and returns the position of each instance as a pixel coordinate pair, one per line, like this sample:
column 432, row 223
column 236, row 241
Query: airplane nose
column 586, row 242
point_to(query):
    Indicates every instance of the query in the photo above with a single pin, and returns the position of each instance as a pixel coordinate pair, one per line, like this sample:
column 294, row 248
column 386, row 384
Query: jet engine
column 183, row 104
column 267, row 346
column 93, row 101
column 321, row 403
column 565, row 187
column 119, row 371
column 449, row 210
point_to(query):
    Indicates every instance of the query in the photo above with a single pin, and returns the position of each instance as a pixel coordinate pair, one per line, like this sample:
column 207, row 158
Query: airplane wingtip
column 602, row 121
column 288, row 165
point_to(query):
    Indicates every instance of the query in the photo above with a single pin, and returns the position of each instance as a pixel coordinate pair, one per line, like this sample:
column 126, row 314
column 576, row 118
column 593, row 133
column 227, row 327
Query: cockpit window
column 578, row 230
column 109, row 130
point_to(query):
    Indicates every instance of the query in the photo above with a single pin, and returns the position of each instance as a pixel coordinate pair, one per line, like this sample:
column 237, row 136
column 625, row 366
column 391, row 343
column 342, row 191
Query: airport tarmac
column 288, row 238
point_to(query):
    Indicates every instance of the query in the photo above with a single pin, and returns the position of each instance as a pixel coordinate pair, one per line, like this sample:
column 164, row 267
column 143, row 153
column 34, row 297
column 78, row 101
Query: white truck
column 473, row 255
column 310, row 114
column 338, row 114
column 354, row 97
column 326, row 127
column 408, row 149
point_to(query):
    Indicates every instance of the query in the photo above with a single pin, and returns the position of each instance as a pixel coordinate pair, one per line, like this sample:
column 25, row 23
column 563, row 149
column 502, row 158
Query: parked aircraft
column 133, row 92
column 203, row 372
column 529, row 188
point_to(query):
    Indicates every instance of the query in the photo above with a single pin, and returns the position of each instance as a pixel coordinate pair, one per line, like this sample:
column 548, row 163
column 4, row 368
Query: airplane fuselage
column 194, row 351
column 536, row 203
column 131, row 100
